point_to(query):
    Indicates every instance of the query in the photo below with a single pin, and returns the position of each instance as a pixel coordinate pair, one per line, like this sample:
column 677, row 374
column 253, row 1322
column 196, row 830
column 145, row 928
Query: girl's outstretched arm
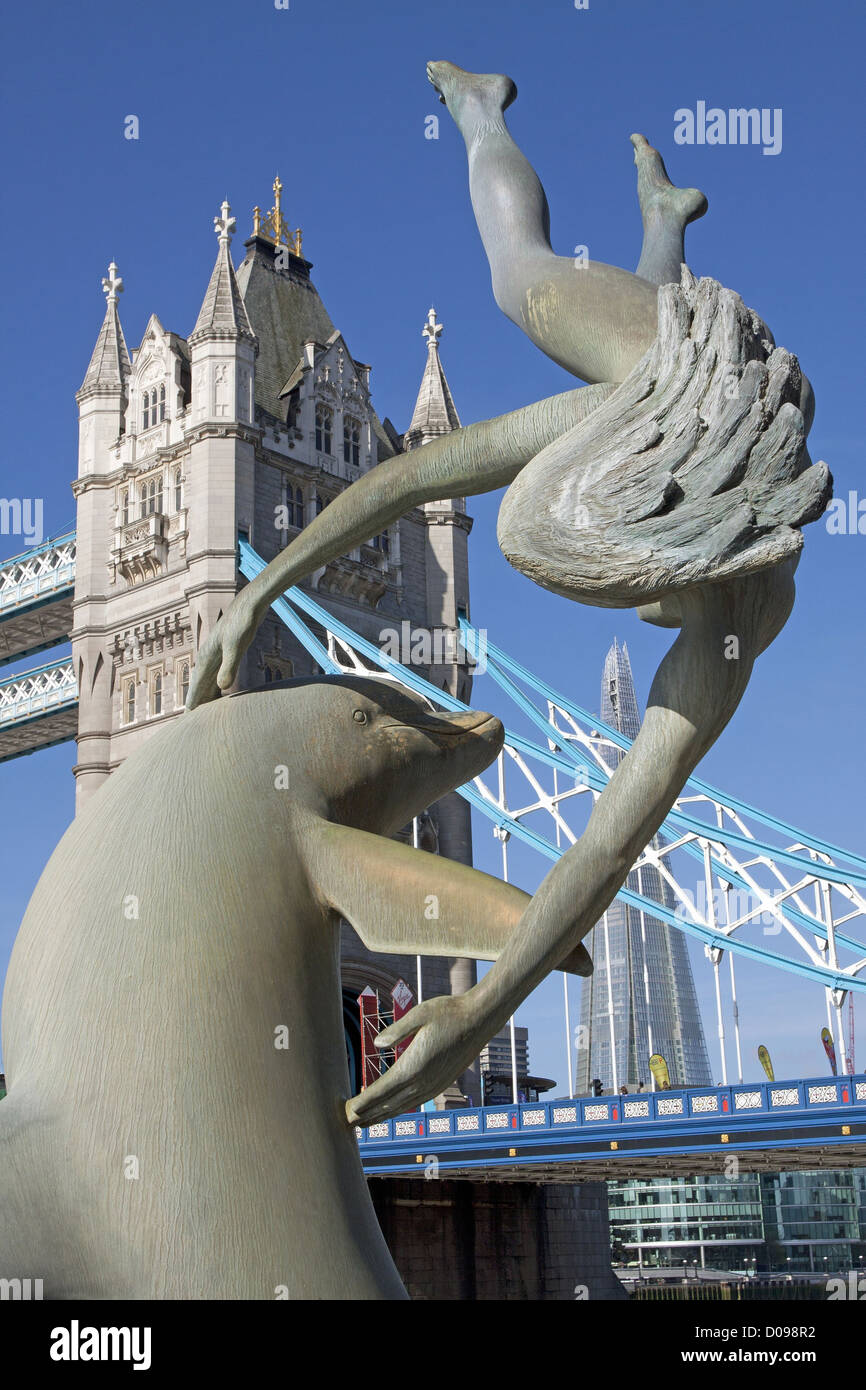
column 477, row 458
column 694, row 694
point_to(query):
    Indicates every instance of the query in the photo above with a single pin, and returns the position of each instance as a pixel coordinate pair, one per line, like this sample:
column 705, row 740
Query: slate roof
column 286, row 311
column 223, row 312
column 110, row 364
column 435, row 412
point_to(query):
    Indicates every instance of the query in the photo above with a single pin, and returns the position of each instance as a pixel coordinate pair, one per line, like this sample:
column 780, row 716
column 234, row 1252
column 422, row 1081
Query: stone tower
column 252, row 424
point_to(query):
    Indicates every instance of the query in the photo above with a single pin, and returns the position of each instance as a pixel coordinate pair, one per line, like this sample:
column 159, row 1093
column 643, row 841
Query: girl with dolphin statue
column 675, row 482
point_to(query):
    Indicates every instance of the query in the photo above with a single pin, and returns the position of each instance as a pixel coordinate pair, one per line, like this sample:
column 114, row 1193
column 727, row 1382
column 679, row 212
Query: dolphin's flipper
column 404, row 901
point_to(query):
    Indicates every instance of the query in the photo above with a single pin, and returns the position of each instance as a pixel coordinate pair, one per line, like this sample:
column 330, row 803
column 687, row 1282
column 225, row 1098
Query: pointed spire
column 223, row 312
column 110, row 364
column 619, row 705
column 435, row 412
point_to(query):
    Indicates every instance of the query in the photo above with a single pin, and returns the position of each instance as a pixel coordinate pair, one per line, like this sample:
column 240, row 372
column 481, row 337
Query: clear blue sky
column 334, row 97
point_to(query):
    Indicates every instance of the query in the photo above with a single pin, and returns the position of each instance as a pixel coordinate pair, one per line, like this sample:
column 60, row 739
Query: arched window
column 161, row 403
column 156, row 693
column 183, row 682
column 351, row 442
column 294, row 506
column 178, row 490
column 124, row 506
column 150, row 494
column 382, row 542
column 324, row 425
column 129, row 701
column 145, row 410
column 321, row 503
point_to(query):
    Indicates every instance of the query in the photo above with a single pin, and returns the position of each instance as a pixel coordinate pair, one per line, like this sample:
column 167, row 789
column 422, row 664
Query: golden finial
column 278, row 216
column 274, row 227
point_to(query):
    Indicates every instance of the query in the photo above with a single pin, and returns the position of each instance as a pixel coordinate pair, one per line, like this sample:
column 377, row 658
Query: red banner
column 371, row 1062
column 403, row 1000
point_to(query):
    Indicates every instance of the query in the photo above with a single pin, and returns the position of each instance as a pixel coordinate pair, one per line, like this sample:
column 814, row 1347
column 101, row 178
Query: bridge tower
column 250, row 425
column 102, row 402
column 448, row 528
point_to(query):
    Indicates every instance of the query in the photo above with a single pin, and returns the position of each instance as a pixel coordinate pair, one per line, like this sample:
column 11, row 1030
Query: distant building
column 497, row 1073
column 655, row 1007
column 779, row 1222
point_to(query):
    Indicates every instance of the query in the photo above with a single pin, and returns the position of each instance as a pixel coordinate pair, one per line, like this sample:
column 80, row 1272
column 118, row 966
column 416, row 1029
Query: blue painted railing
column 709, row 1116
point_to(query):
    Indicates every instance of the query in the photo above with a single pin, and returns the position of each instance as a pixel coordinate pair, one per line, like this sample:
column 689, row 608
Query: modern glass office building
column 651, row 988
column 780, row 1222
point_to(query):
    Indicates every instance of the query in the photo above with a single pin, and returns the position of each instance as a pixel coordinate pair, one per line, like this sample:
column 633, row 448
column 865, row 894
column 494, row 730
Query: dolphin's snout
column 451, row 725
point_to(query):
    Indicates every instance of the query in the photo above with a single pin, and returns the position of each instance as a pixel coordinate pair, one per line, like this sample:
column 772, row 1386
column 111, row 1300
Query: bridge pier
column 468, row 1241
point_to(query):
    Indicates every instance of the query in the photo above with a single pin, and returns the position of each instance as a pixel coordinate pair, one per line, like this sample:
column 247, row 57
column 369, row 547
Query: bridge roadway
column 769, row 1126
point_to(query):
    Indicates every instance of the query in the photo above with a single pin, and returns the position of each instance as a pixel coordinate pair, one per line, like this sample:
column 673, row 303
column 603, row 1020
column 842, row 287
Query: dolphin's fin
column 404, row 901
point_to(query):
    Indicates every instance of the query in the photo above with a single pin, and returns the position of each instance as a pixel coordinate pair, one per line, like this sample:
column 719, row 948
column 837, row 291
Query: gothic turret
column 102, row 396
column 102, row 403
column 109, row 365
column 447, row 577
column 435, row 412
column 223, row 345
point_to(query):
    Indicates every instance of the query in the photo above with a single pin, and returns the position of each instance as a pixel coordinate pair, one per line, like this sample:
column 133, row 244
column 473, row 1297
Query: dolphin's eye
column 359, row 716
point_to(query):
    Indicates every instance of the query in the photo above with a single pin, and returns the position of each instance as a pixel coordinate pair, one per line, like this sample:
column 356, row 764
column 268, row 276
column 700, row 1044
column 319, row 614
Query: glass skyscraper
column 650, row 987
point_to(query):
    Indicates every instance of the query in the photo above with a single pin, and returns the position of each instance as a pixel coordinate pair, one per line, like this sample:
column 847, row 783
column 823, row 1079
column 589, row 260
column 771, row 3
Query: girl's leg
column 666, row 212
column 595, row 320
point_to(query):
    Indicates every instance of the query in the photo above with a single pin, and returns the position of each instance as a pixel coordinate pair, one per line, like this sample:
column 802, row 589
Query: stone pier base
column 480, row 1240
